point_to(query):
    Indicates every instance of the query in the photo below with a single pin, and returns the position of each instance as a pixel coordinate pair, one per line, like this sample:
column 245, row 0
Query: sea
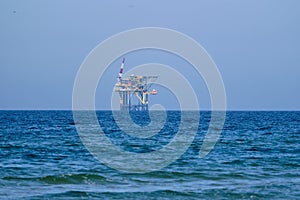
column 256, row 157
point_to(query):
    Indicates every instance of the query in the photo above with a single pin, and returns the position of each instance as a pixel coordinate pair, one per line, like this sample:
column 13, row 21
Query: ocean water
column 257, row 157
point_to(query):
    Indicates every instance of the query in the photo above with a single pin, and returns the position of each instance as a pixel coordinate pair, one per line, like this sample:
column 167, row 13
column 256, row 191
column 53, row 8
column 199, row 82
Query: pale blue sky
column 255, row 44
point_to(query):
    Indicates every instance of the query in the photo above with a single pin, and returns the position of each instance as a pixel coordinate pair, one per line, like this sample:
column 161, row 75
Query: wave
column 63, row 179
column 159, row 194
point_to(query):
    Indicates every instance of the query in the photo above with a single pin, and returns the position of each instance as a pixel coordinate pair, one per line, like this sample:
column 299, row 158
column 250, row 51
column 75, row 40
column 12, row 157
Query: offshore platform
column 134, row 91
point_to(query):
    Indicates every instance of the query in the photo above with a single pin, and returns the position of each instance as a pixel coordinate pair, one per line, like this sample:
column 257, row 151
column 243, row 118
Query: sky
column 254, row 43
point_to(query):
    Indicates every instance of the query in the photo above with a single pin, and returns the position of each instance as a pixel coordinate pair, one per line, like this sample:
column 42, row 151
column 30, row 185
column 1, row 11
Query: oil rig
column 134, row 91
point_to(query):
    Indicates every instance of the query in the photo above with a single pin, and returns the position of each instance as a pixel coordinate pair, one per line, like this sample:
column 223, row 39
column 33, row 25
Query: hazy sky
column 255, row 44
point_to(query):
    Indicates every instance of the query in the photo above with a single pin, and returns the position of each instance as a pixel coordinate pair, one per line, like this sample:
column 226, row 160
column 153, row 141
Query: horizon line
column 229, row 110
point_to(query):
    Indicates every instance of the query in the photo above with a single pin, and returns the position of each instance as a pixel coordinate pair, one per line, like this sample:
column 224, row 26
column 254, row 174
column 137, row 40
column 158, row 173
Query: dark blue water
column 257, row 157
